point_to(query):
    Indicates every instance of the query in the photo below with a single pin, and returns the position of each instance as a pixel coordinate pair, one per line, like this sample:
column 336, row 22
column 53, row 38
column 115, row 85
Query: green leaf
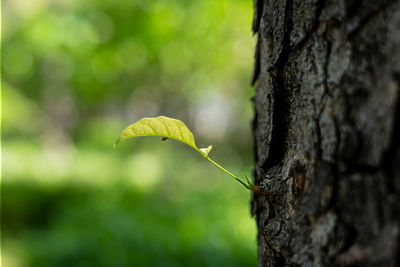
column 175, row 129
column 159, row 126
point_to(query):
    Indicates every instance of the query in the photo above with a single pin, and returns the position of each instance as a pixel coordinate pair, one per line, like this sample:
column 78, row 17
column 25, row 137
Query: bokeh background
column 74, row 75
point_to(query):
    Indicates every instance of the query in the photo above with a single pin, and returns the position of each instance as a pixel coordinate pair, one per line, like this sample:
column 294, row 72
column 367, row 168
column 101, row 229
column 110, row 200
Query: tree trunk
column 327, row 132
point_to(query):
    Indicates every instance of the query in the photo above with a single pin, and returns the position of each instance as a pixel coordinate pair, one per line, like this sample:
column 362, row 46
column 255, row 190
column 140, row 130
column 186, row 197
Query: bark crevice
column 281, row 108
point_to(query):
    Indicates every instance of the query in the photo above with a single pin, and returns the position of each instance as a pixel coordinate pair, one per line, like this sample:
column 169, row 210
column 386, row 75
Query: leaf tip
column 116, row 143
column 205, row 151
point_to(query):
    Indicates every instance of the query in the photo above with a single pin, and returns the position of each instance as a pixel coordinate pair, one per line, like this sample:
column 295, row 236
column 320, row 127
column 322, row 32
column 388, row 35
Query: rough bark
column 327, row 132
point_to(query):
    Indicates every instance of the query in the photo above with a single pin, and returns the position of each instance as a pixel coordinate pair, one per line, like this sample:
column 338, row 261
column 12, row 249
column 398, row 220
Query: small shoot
column 172, row 128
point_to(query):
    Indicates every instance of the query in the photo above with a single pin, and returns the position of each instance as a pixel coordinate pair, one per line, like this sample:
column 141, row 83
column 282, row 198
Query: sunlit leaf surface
column 159, row 126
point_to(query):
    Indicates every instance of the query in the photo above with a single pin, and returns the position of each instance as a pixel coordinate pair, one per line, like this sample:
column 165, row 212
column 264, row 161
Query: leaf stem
column 247, row 186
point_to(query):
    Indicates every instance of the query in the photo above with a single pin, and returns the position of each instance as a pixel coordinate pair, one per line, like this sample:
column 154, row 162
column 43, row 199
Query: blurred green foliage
column 74, row 73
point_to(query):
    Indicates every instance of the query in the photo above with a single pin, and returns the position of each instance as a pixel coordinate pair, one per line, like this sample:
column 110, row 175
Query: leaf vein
column 151, row 128
column 166, row 128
